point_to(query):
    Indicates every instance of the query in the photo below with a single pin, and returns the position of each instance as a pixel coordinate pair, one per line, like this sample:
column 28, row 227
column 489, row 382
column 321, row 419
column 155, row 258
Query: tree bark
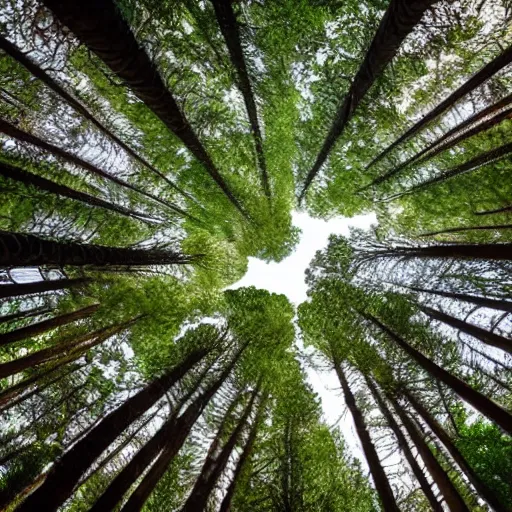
column 23, row 315
column 479, row 78
column 68, row 470
column 398, row 22
column 485, row 492
column 487, row 337
column 15, row 133
column 464, row 229
column 441, row 478
column 38, row 328
column 404, row 446
column 38, row 182
column 229, row 27
column 379, row 476
column 480, row 402
column 21, row 250
column 39, row 287
column 99, row 25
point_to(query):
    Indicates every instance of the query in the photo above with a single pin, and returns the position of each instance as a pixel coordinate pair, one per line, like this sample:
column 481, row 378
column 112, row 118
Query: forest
column 149, row 149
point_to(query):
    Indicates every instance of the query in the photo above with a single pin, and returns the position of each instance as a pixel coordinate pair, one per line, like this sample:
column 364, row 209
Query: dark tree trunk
column 22, row 250
column 480, row 402
column 38, row 182
column 404, row 446
column 464, row 229
column 441, row 478
column 487, row 337
column 99, row 25
column 39, row 287
column 482, row 489
column 379, row 476
column 15, row 133
column 39, row 73
column 479, row 78
column 398, row 22
column 213, row 468
column 23, row 315
column 175, row 439
column 68, row 470
column 505, row 209
column 229, row 28
column 46, row 325
column 484, row 302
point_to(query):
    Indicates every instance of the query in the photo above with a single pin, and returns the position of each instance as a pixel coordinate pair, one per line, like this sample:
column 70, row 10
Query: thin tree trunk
column 464, row 229
column 38, row 182
column 39, row 73
column 22, row 250
column 229, row 27
column 505, row 209
column 404, row 446
column 489, row 375
column 451, row 495
column 487, row 337
column 175, row 440
column 39, row 287
column 484, row 302
column 23, row 315
column 487, row 356
column 379, row 476
column 38, row 328
column 244, row 458
column 450, row 138
column 479, row 401
column 99, row 25
column 15, row 133
column 398, row 22
column 213, row 468
column 68, row 470
column 479, row 78
column 483, row 490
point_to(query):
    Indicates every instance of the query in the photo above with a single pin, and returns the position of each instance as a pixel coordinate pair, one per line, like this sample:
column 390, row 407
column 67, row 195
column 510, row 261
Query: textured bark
column 404, row 446
column 68, row 470
column 15, row 133
column 398, row 22
column 39, row 287
column 464, row 229
column 379, row 476
column 214, row 467
column 21, row 250
column 449, row 492
column 485, row 492
column 480, row 402
column 479, row 78
column 229, row 27
column 38, row 182
column 38, row 328
column 487, row 337
column 484, row 302
column 23, row 315
column 99, row 25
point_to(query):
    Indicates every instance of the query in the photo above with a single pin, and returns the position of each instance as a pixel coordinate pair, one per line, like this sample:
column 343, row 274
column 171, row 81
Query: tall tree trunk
column 175, row 440
column 505, row 209
column 68, row 470
column 99, row 25
column 483, row 490
column 398, row 22
column 21, row 250
column 38, row 328
column 480, row 402
column 497, row 304
column 38, row 182
column 229, row 27
column 23, row 315
column 42, row 75
column 404, row 446
column 244, row 458
column 445, row 141
column 39, row 287
column 213, row 468
column 487, row 337
column 379, row 476
column 451, row 495
column 479, row 78
column 464, row 229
